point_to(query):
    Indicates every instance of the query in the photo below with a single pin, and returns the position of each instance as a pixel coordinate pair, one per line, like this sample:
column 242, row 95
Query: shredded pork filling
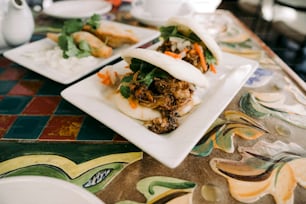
column 166, row 96
column 189, row 56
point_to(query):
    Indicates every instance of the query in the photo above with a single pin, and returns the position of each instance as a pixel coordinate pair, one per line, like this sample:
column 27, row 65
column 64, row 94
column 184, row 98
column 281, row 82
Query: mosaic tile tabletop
column 31, row 108
column 255, row 152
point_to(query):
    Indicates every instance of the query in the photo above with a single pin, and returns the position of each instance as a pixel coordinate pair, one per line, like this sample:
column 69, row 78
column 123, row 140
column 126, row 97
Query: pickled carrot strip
column 105, row 78
column 213, row 68
column 201, row 55
column 172, row 54
column 132, row 103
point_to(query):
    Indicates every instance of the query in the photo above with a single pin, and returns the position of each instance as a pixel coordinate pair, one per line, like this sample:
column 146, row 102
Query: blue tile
column 33, row 76
column 13, row 104
column 15, row 65
column 66, row 108
column 94, row 130
column 6, row 86
column 27, row 127
column 51, row 88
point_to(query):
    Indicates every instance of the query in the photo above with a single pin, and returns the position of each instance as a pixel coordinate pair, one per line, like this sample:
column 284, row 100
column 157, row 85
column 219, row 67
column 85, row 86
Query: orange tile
column 62, row 128
column 5, row 122
column 42, row 105
column 27, row 88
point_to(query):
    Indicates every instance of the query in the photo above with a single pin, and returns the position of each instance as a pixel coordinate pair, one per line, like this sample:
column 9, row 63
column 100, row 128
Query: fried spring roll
column 112, row 35
column 98, row 48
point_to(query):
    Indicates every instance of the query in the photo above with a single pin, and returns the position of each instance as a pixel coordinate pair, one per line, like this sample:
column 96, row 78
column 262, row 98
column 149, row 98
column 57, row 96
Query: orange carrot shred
column 172, row 54
column 132, row 103
column 105, row 78
column 100, row 75
column 201, row 55
column 213, row 68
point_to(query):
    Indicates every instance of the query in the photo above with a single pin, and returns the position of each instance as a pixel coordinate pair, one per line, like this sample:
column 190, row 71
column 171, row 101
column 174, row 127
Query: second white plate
column 22, row 55
column 170, row 149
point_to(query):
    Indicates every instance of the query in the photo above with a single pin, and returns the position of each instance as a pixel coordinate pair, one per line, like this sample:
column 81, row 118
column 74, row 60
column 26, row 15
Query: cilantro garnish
column 146, row 74
column 67, row 45
column 71, row 49
column 137, row 64
column 94, row 21
column 210, row 59
column 66, row 42
column 125, row 91
column 172, row 31
column 72, row 26
column 124, row 88
column 147, row 71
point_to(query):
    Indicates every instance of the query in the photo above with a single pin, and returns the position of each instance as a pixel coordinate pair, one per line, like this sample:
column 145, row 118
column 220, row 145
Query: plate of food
column 164, row 98
column 169, row 143
column 67, row 56
column 77, row 8
column 42, row 189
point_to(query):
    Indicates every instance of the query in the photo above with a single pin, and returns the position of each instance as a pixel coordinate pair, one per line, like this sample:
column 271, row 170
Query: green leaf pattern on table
column 260, row 105
column 220, row 135
column 162, row 189
column 93, row 175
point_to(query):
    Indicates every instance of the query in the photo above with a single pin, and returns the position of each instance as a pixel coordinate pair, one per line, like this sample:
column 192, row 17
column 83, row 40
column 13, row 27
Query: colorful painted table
column 255, row 152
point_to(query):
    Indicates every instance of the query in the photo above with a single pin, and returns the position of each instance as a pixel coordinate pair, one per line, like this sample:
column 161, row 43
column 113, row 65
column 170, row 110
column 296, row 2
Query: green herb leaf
column 72, row 26
column 70, row 49
column 63, row 42
column 154, row 73
column 83, row 45
column 159, row 73
column 139, row 65
column 147, row 71
column 194, row 38
column 210, row 59
column 83, row 54
column 135, row 64
column 94, row 21
column 127, row 79
column 172, row 31
column 125, row 91
column 148, row 79
column 66, row 42
column 67, row 45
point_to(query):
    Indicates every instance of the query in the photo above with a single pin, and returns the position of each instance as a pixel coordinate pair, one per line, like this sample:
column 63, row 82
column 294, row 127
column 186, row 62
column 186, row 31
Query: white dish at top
column 42, row 57
column 170, row 149
column 146, row 18
column 77, row 8
column 46, row 190
column 205, row 6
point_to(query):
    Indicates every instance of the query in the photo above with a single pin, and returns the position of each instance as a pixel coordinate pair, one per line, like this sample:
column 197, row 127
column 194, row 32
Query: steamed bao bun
column 187, row 23
column 177, row 68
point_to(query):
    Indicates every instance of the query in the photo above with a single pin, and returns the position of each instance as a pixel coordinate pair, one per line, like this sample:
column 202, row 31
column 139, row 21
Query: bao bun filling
column 186, row 40
column 156, row 89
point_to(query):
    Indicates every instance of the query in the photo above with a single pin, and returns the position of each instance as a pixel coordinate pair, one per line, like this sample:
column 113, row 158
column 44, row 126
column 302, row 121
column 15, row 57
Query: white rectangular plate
column 21, row 56
column 170, row 149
